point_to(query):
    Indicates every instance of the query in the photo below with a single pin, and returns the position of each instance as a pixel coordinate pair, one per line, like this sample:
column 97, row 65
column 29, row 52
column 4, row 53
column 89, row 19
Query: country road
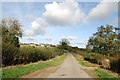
column 69, row 69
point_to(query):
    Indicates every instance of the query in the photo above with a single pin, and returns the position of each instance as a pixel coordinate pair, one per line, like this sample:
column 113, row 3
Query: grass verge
column 81, row 61
column 18, row 71
column 97, row 72
column 103, row 74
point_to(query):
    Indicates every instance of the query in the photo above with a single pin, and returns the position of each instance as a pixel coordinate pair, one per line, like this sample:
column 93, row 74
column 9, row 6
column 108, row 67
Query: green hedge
column 29, row 54
column 93, row 57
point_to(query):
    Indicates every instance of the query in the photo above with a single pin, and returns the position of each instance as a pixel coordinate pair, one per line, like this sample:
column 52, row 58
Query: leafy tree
column 64, row 44
column 105, row 40
column 11, row 32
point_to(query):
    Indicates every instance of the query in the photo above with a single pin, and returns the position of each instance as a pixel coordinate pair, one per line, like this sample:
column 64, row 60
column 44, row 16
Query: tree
column 64, row 44
column 104, row 41
column 11, row 32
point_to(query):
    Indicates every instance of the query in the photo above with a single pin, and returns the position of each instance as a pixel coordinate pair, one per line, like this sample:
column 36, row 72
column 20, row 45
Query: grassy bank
column 81, row 61
column 103, row 74
column 18, row 71
column 98, row 72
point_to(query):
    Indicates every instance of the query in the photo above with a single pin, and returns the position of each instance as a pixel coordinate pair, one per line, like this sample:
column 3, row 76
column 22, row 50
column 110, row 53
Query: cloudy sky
column 49, row 22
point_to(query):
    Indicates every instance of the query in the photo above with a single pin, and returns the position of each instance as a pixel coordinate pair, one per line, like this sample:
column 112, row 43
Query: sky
column 49, row 22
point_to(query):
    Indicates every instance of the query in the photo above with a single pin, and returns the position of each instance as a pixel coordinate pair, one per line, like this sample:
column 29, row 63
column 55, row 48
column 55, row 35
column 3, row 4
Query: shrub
column 115, row 64
column 93, row 57
column 11, row 32
column 32, row 54
column 8, row 53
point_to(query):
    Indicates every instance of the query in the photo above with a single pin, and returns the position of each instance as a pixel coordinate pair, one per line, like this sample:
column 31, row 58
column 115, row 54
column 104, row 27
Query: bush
column 8, row 53
column 115, row 64
column 93, row 57
column 27, row 54
column 11, row 32
column 33, row 54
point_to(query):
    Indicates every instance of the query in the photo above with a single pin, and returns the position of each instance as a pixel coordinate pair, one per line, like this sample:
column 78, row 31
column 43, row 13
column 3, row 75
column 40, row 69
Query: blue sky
column 49, row 22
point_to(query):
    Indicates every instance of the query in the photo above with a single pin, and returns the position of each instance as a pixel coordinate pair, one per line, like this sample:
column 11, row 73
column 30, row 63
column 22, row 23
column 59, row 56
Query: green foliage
column 18, row 71
column 13, row 54
column 33, row 54
column 64, row 44
column 81, row 61
column 8, row 53
column 90, row 56
column 11, row 31
column 105, row 41
column 77, row 50
column 99, row 73
column 115, row 64
column 94, row 57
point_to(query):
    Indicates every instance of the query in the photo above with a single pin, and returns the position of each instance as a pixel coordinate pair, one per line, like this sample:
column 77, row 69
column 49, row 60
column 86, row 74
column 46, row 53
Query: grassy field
column 98, row 72
column 18, row 71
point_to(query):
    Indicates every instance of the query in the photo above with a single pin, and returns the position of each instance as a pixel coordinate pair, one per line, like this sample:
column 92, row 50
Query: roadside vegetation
column 15, row 54
column 30, row 54
column 15, row 72
column 105, row 41
column 103, row 74
column 97, row 71
column 103, row 49
column 17, row 59
column 82, row 61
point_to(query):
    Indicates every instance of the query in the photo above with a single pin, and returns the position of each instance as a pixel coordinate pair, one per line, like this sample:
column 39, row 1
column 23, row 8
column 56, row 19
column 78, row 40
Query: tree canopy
column 11, row 32
column 105, row 40
column 64, row 44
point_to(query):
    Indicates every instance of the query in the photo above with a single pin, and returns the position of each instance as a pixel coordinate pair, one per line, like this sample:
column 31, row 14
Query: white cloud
column 48, row 38
column 28, row 32
column 38, row 27
column 30, row 17
column 29, row 38
column 63, row 14
column 70, row 38
column 102, row 11
column 68, row 13
column 82, row 42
